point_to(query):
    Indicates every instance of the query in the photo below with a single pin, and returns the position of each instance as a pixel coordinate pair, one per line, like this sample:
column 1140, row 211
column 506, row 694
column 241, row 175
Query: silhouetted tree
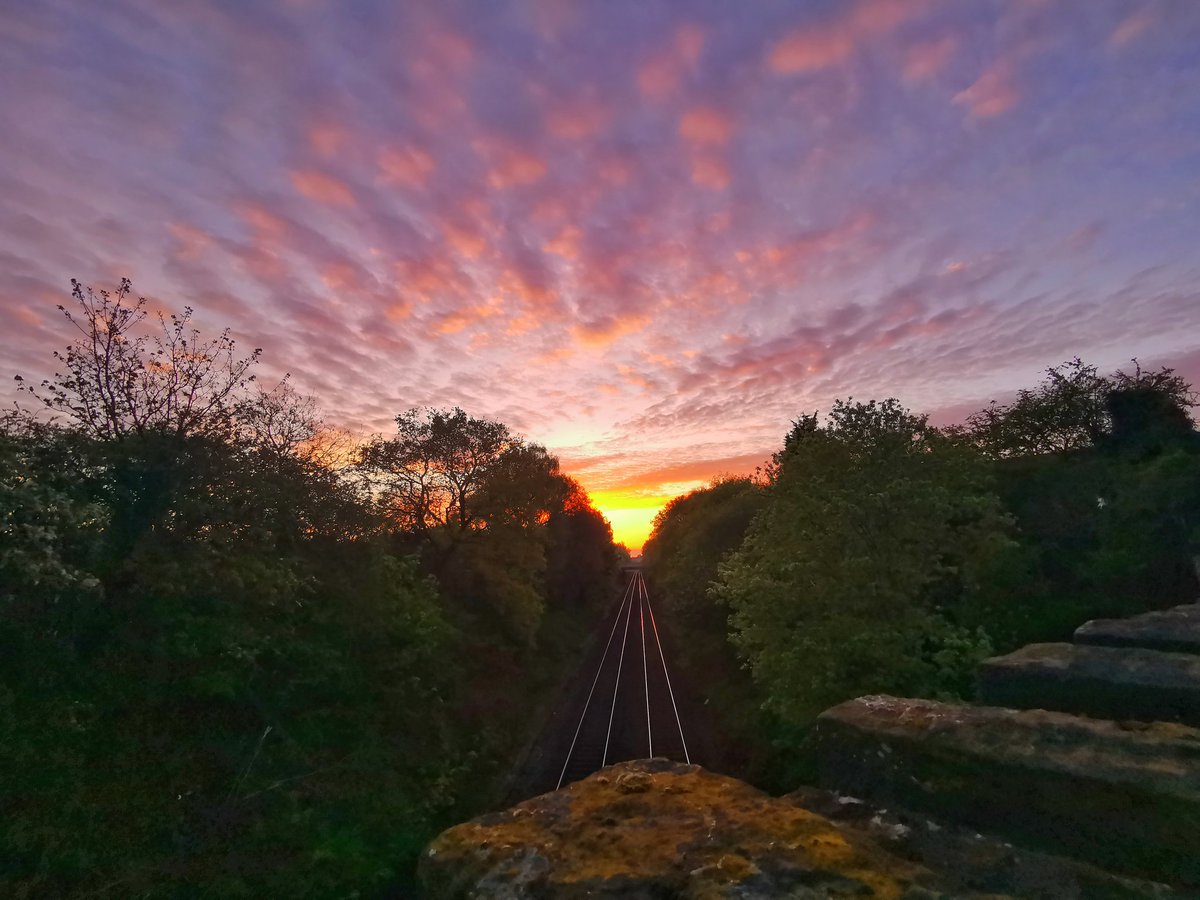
column 120, row 380
column 1075, row 407
column 429, row 474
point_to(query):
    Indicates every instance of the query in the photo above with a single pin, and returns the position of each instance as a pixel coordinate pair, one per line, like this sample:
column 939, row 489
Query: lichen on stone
column 657, row 828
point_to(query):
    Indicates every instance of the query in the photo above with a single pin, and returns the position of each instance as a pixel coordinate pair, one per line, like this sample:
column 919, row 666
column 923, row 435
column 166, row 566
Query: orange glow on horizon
column 631, row 514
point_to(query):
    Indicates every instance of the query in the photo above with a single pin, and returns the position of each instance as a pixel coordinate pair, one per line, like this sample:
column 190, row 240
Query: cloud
column 602, row 332
column 405, row 166
column 1133, row 26
column 926, row 59
column 508, row 164
column 993, row 93
column 819, row 46
column 705, row 125
column 322, row 188
column 710, row 172
column 327, row 138
column 661, row 76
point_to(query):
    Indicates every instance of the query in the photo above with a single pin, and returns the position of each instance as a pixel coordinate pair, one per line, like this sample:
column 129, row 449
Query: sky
column 648, row 235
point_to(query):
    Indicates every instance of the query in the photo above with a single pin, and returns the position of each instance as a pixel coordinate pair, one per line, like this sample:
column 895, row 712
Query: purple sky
column 646, row 234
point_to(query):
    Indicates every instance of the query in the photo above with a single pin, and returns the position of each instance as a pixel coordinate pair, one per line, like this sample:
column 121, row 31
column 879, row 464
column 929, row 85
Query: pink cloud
column 190, row 242
column 406, row 166
column 926, row 59
column 466, row 317
column 993, row 93
column 705, row 125
column 509, row 165
column 327, row 138
column 660, row 76
column 322, row 188
column 579, row 117
column 603, row 332
column 825, row 44
column 1133, row 26
column 711, row 172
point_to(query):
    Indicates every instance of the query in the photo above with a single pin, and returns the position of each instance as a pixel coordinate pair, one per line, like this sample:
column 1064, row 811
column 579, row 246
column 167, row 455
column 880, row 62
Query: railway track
column 630, row 711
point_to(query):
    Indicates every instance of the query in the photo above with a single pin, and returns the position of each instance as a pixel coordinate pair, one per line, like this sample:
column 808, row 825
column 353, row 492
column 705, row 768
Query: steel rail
column 626, row 597
column 617, row 684
column 645, row 668
column 662, row 656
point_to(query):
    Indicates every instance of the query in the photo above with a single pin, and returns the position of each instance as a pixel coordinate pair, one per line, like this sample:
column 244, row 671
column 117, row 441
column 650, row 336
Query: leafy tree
column 581, row 558
column 1075, row 407
column 874, row 517
column 221, row 674
column 1099, row 473
column 1148, row 410
column 691, row 535
column 481, row 501
column 427, row 476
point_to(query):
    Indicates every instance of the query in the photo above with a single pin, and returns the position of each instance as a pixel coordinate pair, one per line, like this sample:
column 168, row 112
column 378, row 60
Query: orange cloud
column 268, row 232
column 407, row 166
column 565, row 243
column 604, row 331
column 533, row 292
column 466, row 240
column 398, row 311
column 631, row 502
column 459, row 319
column 705, row 125
column 782, row 261
column 322, row 188
column 700, row 470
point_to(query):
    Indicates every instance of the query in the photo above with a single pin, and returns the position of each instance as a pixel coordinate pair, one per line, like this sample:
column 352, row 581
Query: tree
column 427, row 476
column 877, row 526
column 691, row 535
column 1148, row 410
column 1075, row 407
column 121, row 381
column 581, row 558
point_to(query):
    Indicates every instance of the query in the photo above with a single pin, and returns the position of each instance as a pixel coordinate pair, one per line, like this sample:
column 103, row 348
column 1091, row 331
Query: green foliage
column 226, row 671
column 692, row 534
column 1075, row 407
column 1107, row 515
column 877, row 529
column 49, row 533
